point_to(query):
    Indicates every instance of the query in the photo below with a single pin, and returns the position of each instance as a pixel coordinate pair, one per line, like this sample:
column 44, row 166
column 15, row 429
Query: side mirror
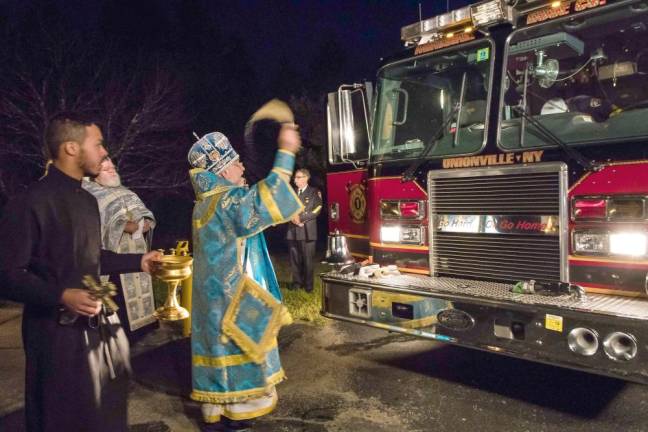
column 349, row 124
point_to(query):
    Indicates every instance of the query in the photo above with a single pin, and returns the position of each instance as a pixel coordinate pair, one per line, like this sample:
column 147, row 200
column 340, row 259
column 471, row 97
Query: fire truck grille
column 507, row 192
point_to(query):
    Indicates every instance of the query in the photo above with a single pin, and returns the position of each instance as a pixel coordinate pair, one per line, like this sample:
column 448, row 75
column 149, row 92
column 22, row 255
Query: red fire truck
column 500, row 163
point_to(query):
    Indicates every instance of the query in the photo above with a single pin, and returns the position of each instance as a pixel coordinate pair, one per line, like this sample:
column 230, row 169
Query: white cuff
column 140, row 226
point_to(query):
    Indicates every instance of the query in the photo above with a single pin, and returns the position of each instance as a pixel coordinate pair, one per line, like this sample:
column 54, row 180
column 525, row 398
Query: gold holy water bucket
column 172, row 269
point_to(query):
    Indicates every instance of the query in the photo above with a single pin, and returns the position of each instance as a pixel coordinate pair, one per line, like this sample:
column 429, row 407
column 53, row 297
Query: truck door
column 349, row 128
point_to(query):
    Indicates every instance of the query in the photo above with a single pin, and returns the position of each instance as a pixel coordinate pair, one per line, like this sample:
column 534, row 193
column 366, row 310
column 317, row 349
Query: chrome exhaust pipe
column 620, row 346
column 583, row 341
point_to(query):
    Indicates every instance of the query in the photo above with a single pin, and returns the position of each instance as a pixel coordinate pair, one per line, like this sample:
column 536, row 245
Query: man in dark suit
column 302, row 232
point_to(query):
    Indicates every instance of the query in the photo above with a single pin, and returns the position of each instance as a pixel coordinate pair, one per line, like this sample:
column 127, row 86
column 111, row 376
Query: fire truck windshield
column 439, row 98
column 582, row 79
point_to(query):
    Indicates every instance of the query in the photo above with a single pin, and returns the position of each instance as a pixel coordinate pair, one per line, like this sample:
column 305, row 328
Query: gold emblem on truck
column 357, row 203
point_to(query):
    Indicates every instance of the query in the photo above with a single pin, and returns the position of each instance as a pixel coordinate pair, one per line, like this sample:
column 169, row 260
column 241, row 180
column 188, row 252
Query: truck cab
column 494, row 187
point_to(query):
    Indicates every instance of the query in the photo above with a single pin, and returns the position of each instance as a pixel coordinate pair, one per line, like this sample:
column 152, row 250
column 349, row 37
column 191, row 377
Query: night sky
column 271, row 31
column 365, row 30
column 222, row 58
column 234, row 54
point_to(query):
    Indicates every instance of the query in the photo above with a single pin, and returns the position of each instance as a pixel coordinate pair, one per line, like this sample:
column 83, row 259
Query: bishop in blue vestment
column 236, row 304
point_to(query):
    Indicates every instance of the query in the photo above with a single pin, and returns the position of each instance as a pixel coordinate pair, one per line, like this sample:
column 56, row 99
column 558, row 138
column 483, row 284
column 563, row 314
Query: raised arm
column 272, row 200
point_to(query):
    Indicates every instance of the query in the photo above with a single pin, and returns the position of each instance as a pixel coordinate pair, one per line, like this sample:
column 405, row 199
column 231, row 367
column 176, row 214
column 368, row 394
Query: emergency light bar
column 480, row 14
column 488, row 13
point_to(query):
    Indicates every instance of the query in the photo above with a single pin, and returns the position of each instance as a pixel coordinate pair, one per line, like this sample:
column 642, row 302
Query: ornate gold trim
column 209, row 213
column 224, row 361
column 251, row 414
column 280, row 170
column 237, row 396
column 212, row 419
column 295, row 196
column 279, row 316
column 215, row 191
column 269, row 202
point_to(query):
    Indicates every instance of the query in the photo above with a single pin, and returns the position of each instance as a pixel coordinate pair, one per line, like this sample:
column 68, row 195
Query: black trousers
column 302, row 253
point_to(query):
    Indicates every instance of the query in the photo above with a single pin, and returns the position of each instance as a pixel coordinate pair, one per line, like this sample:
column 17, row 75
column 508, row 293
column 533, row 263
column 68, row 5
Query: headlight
column 411, row 235
column 390, row 234
column 590, row 243
column 628, row 243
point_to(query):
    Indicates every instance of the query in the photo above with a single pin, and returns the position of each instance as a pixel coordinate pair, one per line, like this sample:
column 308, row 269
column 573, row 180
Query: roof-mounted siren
column 463, row 20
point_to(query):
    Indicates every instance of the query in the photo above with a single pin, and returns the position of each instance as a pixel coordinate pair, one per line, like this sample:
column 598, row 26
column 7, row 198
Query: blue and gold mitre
column 213, row 152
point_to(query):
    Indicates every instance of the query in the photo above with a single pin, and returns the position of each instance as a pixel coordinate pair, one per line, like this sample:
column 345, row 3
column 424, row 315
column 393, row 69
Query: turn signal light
column 408, row 209
column 589, row 208
column 611, row 208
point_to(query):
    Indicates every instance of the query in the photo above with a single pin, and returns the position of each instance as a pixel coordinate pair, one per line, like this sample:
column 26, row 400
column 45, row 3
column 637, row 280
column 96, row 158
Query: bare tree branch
column 141, row 105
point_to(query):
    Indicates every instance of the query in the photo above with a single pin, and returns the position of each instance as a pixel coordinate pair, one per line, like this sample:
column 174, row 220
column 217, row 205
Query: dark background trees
column 156, row 72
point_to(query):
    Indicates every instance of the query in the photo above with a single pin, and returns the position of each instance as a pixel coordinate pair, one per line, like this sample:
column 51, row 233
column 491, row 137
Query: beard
column 89, row 169
column 112, row 181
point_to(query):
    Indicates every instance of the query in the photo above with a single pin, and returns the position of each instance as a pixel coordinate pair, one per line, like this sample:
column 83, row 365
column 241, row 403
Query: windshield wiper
column 572, row 153
column 408, row 175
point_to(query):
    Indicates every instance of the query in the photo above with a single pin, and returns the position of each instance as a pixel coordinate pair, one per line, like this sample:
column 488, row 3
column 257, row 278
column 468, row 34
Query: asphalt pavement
column 347, row 378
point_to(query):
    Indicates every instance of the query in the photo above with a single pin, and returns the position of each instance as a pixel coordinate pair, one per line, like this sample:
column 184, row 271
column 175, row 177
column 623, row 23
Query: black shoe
column 219, row 426
column 237, row 425
column 158, row 426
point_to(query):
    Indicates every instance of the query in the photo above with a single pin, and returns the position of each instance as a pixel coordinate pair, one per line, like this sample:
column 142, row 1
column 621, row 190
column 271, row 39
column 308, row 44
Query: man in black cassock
column 77, row 356
column 302, row 232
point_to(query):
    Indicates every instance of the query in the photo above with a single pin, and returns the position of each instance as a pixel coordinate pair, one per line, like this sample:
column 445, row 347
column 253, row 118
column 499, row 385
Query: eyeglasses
column 300, row 177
